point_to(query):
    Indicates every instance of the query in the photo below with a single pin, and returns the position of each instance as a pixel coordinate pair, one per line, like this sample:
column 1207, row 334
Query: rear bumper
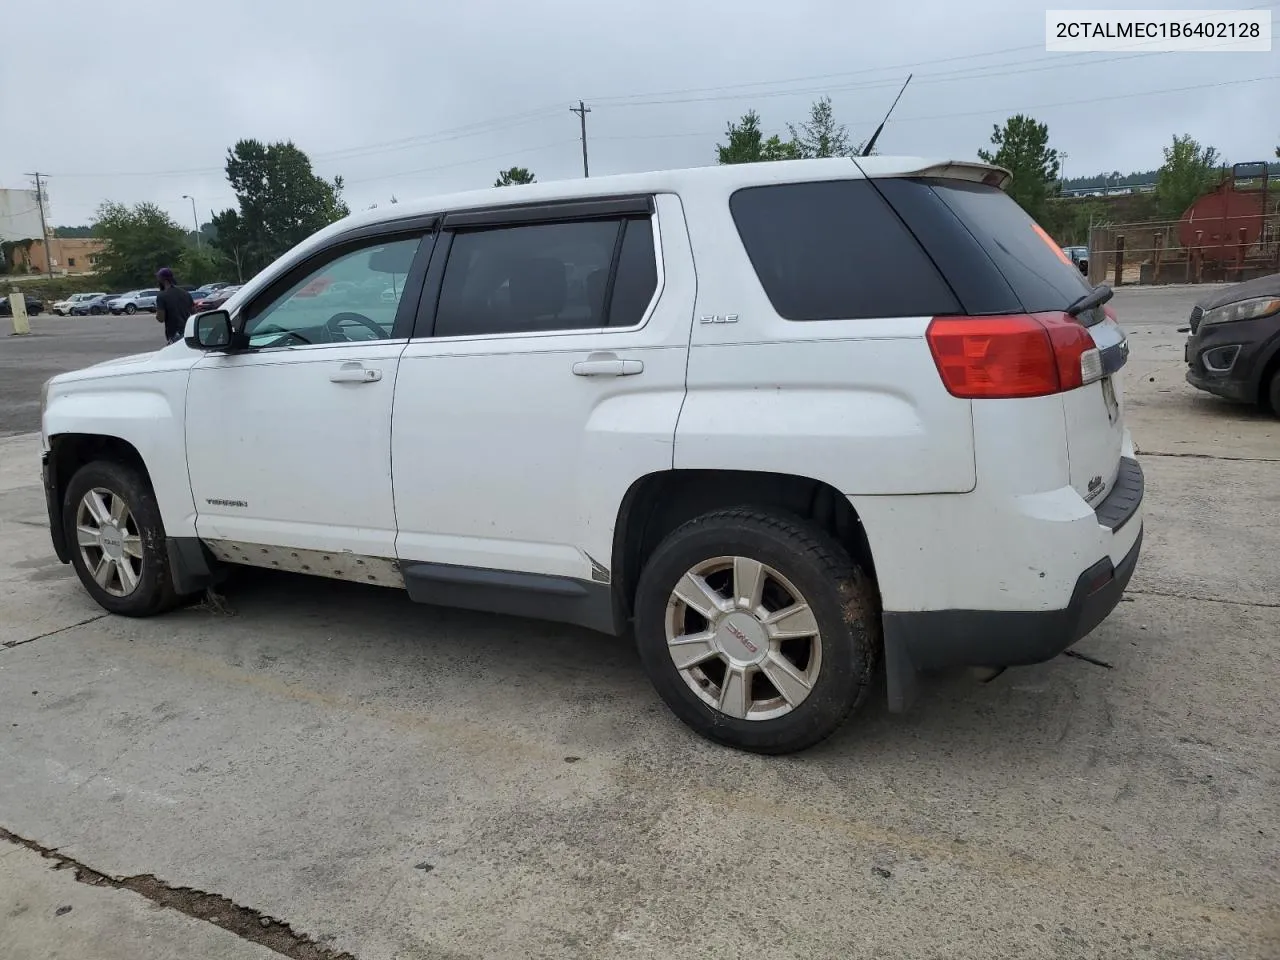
column 936, row 639
column 925, row 640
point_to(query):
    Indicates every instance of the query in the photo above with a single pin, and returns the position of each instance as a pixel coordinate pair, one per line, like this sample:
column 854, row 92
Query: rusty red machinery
column 1228, row 230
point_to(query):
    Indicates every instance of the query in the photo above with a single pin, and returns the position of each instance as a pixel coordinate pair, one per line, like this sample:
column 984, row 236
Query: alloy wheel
column 743, row 638
column 109, row 541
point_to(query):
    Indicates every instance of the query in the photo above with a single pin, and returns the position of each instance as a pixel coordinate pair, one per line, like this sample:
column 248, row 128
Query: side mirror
column 209, row 331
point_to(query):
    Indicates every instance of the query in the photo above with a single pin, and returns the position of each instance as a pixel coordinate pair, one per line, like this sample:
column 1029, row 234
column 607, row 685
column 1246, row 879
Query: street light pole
column 194, row 216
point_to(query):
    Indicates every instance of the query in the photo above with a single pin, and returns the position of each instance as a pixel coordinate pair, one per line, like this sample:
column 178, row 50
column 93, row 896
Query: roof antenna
column 866, row 151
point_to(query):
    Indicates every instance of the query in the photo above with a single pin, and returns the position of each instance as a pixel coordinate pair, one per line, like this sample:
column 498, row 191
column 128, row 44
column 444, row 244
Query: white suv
column 776, row 419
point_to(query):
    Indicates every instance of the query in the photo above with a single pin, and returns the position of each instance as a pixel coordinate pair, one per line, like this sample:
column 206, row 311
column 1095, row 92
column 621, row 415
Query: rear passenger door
column 545, row 374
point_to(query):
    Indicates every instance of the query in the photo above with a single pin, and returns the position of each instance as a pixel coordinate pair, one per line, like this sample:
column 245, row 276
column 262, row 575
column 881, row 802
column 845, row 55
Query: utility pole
column 44, row 228
column 194, row 216
column 582, row 110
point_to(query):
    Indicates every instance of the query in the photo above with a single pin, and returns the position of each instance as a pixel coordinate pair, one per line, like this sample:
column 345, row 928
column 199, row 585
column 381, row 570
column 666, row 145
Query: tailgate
column 1094, row 417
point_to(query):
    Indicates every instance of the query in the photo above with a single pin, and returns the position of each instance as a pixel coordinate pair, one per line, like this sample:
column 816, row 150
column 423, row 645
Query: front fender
column 147, row 411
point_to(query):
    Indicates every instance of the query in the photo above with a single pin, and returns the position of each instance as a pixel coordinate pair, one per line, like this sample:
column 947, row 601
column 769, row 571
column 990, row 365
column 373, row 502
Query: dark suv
column 1233, row 349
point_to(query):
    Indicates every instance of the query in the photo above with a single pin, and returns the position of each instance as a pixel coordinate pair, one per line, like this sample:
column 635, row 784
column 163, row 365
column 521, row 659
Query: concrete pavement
column 403, row 781
column 46, row 914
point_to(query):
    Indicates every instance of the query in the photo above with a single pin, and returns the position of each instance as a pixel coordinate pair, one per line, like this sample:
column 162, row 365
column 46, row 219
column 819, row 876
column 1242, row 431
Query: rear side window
column 1032, row 264
column 836, row 250
column 546, row 277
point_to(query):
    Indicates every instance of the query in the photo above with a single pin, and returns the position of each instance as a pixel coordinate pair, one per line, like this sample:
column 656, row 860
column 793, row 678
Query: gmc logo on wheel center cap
column 742, row 638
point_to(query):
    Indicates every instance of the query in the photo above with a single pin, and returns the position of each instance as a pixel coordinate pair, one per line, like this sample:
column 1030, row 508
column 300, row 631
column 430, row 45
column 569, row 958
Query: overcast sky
column 133, row 100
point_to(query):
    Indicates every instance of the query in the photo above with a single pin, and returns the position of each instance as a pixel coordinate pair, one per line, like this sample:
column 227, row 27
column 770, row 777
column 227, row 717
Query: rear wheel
column 757, row 629
column 95, row 310
column 118, row 547
column 130, row 309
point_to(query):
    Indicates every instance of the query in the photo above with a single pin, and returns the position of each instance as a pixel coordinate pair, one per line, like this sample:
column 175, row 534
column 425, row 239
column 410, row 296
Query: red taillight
column 1023, row 355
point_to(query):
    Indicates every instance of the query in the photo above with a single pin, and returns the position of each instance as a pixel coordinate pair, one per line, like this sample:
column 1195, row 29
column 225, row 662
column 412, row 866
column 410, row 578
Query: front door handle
column 355, row 372
column 607, row 365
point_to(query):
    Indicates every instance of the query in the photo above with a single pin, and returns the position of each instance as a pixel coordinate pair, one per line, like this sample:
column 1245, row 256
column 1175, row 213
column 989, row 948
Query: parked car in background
column 217, row 285
column 35, row 306
column 216, row 298
column 1233, row 349
column 134, row 301
column 63, row 308
column 100, row 304
column 1079, row 256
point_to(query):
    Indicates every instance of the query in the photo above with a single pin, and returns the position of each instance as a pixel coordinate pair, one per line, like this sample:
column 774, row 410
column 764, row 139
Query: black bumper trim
column 53, row 504
column 1124, row 497
column 938, row 639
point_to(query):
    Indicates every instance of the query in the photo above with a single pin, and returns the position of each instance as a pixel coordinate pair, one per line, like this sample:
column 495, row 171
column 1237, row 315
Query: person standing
column 173, row 306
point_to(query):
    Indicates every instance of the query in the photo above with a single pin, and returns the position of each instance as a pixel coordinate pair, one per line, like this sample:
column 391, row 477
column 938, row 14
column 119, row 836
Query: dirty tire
column 154, row 592
column 1273, row 392
column 842, row 597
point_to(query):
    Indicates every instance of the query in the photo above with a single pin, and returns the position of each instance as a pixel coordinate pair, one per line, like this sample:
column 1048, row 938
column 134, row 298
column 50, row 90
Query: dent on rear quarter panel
column 147, row 411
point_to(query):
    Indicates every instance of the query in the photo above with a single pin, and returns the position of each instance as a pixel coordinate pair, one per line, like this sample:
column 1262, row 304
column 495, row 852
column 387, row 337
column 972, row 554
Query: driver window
column 349, row 300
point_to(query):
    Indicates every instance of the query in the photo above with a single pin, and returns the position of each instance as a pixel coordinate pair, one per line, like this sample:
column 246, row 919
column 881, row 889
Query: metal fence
column 1152, row 253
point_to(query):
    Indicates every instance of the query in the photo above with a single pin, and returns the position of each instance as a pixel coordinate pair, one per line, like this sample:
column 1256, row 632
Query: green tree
column 1022, row 148
column 820, row 135
column 202, row 265
column 514, row 176
column 139, row 240
column 73, row 232
column 746, row 143
column 1188, row 171
column 281, row 202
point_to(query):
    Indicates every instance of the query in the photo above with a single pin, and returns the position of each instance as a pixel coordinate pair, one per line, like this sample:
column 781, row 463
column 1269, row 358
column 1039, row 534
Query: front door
column 289, row 441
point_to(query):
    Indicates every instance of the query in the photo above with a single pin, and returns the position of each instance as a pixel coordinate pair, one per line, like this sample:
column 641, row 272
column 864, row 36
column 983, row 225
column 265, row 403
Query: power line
column 821, row 76
column 912, row 65
column 974, row 113
column 506, row 154
column 347, row 153
column 988, row 71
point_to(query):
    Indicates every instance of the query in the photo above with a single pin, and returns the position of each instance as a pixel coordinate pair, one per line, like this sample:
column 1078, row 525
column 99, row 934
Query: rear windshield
column 1041, row 275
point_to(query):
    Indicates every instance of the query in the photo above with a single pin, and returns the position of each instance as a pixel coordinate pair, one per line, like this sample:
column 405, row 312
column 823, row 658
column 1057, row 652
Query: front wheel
column 757, row 629
column 112, row 522
column 130, row 309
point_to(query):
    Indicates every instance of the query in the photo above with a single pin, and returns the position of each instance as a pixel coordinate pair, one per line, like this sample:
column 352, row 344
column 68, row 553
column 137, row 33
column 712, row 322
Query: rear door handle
column 607, row 365
column 355, row 372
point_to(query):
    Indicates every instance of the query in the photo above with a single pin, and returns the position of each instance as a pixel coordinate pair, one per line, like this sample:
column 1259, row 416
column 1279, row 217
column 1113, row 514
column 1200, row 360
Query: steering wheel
column 334, row 325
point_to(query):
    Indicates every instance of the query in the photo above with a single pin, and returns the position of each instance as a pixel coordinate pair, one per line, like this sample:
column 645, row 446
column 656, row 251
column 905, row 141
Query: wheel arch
column 1269, row 367
column 658, row 503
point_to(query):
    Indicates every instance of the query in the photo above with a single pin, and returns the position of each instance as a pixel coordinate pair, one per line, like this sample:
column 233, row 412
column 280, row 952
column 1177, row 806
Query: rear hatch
column 1002, row 263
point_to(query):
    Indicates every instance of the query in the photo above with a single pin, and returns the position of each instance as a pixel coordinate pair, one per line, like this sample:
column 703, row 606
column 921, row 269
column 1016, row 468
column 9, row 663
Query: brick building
column 70, row 255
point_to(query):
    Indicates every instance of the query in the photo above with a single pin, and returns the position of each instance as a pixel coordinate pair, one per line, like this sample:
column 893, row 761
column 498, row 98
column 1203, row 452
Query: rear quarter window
column 835, row 250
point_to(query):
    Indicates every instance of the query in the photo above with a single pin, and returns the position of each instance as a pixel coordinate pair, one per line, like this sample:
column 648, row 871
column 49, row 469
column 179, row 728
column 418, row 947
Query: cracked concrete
column 308, row 756
column 47, row 914
column 242, row 922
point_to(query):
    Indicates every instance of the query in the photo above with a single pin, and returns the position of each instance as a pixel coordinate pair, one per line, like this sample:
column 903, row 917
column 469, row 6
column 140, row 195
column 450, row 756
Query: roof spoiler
column 948, row 170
